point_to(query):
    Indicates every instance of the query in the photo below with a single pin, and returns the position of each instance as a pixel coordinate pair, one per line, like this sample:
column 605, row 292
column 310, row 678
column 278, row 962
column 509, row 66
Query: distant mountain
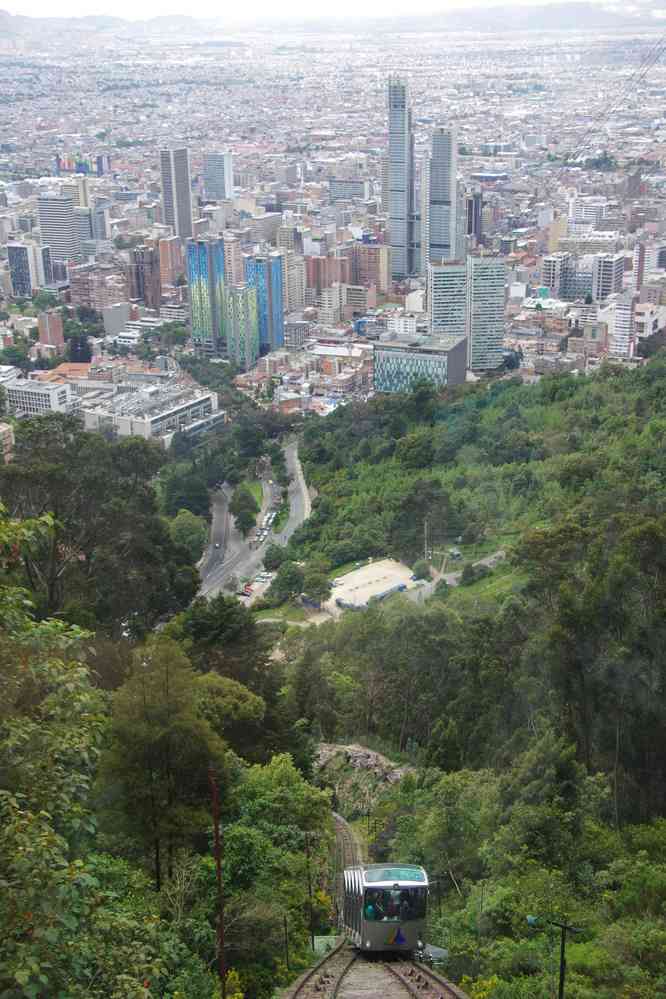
column 576, row 16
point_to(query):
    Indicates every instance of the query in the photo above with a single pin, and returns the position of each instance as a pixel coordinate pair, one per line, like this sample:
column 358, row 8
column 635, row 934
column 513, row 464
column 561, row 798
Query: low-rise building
column 399, row 364
column 154, row 412
column 33, row 398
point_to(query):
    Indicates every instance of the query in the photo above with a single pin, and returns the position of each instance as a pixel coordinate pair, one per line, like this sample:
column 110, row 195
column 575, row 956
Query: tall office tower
column 77, row 190
column 486, row 296
column 47, row 265
column 177, row 190
column 101, row 225
column 401, row 193
column 171, row 259
column 474, row 213
column 607, row 275
column 218, row 171
column 242, row 325
column 205, row 273
column 441, row 196
column 145, row 276
column 25, row 268
column 264, row 272
column 447, row 298
column 59, row 227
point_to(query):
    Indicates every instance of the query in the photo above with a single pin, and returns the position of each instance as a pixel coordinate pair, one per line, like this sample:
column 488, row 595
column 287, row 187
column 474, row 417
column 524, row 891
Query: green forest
column 528, row 704
column 531, row 702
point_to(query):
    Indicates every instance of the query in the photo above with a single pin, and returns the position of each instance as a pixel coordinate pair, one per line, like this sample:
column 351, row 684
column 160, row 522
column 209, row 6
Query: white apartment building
column 401, row 325
column 32, row 398
column 587, row 210
column 618, row 313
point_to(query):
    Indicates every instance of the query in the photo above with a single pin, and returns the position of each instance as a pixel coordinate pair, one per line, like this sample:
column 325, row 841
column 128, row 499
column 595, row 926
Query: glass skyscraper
column 205, row 273
column 265, row 273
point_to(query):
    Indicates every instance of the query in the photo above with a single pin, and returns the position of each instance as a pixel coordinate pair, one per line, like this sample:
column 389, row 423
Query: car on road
column 217, row 544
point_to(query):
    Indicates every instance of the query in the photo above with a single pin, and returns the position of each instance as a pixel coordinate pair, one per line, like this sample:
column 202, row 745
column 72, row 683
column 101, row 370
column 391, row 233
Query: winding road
column 235, row 556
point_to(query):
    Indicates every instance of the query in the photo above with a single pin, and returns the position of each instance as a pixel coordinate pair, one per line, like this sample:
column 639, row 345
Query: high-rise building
column 607, row 275
column 486, row 296
column 177, row 190
column 145, row 277
column 84, row 224
column 293, row 281
column 619, row 313
column 205, row 273
column 401, row 180
column 371, row 265
column 447, row 298
column 218, row 171
column 474, row 213
column 25, row 268
column 264, row 272
column 234, row 267
column 440, row 196
column 59, row 227
column 557, row 270
column 172, row 264
column 242, row 325
column 51, row 332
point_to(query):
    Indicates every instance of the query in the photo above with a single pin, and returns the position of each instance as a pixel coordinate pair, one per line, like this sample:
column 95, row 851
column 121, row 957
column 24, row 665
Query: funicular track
column 346, row 974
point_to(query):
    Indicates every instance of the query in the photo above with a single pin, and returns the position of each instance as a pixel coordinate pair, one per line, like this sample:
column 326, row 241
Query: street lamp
column 535, row 922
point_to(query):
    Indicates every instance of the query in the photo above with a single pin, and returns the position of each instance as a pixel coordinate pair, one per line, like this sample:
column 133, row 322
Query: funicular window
column 394, row 905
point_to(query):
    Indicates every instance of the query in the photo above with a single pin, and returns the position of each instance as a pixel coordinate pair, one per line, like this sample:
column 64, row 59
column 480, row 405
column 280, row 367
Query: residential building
column 618, row 313
column 401, row 325
column 32, row 398
column 486, row 296
column 234, row 268
column 295, row 333
column 218, row 175
column 59, row 228
column 294, row 281
column 172, row 265
column 371, row 265
column 607, row 275
column 439, row 360
column 264, row 272
column 51, row 330
column 97, row 286
column 556, row 273
column 242, row 325
column 177, row 190
column 401, row 179
column 205, row 271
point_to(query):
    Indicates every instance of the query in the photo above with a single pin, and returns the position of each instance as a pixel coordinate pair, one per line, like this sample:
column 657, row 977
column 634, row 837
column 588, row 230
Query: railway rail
column 346, row 974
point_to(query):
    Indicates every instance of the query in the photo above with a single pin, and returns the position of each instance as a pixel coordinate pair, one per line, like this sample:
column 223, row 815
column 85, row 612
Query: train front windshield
column 394, row 905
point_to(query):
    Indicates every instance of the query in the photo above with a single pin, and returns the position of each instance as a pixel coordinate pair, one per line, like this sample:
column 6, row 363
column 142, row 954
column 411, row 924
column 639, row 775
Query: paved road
column 235, row 556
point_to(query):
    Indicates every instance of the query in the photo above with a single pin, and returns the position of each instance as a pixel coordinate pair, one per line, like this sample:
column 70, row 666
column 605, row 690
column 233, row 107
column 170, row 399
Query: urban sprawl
column 333, row 214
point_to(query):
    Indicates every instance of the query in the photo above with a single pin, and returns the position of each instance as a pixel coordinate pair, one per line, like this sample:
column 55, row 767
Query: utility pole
column 564, row 928
column 217, row 847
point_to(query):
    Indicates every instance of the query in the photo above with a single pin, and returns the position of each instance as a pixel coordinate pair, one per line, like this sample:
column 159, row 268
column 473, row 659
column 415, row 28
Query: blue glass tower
column 205, row 274
column 264, row 272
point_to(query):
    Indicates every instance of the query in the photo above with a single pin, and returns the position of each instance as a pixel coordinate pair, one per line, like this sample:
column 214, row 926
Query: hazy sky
column 266, row 8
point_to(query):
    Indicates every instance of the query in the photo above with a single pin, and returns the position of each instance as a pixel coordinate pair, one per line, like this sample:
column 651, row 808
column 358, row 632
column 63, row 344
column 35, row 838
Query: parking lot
column 359, row 585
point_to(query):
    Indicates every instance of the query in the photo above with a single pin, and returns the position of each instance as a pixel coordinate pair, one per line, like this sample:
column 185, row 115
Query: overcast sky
column 260, row 8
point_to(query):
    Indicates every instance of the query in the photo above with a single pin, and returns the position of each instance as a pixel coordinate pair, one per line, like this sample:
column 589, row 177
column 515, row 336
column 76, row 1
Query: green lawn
column 256, row 490
column 289, row 612
column 500, row 583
